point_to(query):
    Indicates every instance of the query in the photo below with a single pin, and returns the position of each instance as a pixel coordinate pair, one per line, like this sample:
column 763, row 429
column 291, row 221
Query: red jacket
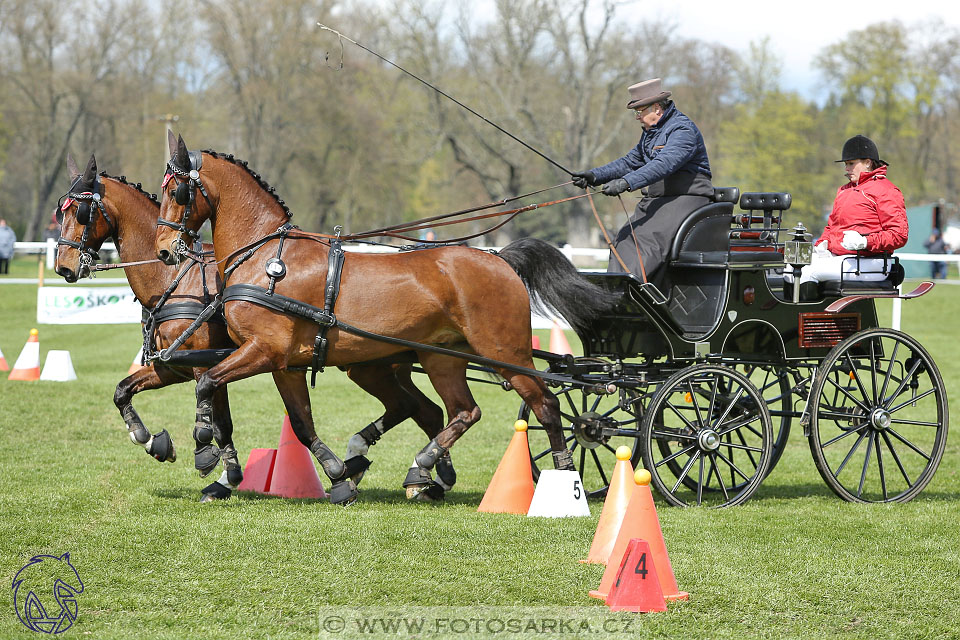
column 874, row 208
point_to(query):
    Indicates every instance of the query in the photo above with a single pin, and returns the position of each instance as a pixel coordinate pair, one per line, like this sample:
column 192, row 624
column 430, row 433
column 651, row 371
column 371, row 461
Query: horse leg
column 429, row 417
column 222, row 424
column 392, row 386
column 292, row 386
column 158, row 445
column 448, row 376
column 546, row 407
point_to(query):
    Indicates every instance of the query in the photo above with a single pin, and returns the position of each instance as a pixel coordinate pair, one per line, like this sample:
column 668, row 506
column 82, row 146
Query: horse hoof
column 214, row 492
column 433, row 493
column 343, row 493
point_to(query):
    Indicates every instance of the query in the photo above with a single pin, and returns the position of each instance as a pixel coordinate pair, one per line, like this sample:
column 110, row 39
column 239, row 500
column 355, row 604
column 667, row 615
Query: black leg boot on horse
column 157, row 445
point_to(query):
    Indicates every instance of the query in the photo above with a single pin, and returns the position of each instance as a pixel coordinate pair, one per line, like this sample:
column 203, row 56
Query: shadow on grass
column 373, row 495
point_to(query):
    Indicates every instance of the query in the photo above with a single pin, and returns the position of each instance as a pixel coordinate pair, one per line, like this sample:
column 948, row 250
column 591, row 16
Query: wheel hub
column 880, row 418
column 588, row 430
column 709, row 440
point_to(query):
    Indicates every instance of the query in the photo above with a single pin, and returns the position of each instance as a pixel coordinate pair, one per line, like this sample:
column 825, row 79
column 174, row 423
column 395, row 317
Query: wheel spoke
column 844, row 435
column 679, row 415
column 730, row 406
column 853, row 449
column 693, row 399
column 700, row 484
column 903, row 384
column 676, row 454
column 909, row 444
column 855, row 375
column 596, row 459
column 723, row 487
column 896, row 458
column 848, row 394
column 684, row 471
column 886, row 379
column 873, row 370
column 916, row 423
column 912, row 400
column 883, row 477
column 732, row 466
column 866, row 464
column 746, row 448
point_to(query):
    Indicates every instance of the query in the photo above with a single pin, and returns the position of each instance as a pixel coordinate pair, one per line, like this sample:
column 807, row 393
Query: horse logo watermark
column 39, row 578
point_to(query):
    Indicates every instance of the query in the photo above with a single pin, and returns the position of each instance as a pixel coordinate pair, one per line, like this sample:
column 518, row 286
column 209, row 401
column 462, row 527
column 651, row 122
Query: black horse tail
column 554, row 285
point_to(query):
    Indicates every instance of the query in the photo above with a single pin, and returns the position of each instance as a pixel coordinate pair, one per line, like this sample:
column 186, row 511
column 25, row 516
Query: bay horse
column 453, row 297
column 129, row 216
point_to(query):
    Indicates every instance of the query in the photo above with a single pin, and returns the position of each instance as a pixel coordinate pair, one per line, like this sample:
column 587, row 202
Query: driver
column 670, row 167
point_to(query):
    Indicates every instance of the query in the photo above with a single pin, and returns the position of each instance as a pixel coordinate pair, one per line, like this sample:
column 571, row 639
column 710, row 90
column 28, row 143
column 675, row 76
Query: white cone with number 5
column 559, row 494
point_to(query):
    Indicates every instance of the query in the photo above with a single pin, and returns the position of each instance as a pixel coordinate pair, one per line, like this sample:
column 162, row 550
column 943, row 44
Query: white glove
column 853, row 241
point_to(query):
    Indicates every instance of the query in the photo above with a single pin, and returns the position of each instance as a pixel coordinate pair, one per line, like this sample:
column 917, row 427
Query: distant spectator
column 936, row 245
column 7, row 239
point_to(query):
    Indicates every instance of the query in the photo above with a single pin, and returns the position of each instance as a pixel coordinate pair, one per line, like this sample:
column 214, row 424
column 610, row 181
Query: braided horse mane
column 253, row 174
column 136, row 185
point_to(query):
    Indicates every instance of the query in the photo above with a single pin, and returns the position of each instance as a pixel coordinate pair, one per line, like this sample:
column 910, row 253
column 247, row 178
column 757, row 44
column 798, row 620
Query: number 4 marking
column 641, row 567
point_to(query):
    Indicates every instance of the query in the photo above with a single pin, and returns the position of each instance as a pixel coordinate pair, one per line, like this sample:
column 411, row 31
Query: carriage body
column 705, row 380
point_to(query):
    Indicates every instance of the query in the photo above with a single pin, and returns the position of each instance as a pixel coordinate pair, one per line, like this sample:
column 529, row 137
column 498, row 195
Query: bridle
column 89, row 202
column 188, row 182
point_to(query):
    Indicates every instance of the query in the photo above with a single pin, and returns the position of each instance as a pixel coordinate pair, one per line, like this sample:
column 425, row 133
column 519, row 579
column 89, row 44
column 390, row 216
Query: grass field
column 795, row 561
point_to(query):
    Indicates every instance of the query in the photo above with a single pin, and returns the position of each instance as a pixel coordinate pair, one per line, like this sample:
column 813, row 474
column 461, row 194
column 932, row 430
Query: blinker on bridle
column 88, row 203
column 185, row 195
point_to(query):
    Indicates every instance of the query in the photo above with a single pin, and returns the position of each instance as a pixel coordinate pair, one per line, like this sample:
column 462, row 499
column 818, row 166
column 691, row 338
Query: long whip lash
column 342, row 37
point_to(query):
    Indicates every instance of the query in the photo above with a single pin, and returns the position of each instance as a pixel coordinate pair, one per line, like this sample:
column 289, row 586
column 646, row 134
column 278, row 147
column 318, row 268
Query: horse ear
column 90, row 173
column 72, row 167
column 172, row 142
column 66, row 557
column 183, row 155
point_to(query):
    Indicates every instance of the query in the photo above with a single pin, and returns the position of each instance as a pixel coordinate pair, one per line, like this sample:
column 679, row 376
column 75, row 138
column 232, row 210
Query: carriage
column 704, row 380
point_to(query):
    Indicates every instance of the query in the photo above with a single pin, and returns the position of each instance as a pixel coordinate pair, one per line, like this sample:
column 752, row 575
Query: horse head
column 84, row 219
column 181, row 211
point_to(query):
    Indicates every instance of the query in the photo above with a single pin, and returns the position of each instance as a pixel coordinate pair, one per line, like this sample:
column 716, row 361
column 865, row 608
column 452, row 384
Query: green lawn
column 795, row 561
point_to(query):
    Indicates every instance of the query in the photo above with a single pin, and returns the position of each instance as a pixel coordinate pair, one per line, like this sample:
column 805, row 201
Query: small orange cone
column 558, row 341
column 294, row 473
column 27, row 366
column 257, row 474
column 614, row 508
column 637, row 587
column 641, row 521
column 511, row 488
column 5, row 367
column 136, row 366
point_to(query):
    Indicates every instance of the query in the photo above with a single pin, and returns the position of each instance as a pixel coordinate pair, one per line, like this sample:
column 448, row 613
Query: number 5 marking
column 576, row 489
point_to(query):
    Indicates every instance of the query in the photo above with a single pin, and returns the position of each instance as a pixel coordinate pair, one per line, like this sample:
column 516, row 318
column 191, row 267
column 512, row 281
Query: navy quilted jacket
column 673, row 144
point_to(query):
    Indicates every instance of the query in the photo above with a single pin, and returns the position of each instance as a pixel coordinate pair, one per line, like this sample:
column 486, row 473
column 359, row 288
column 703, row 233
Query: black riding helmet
column 861, row 147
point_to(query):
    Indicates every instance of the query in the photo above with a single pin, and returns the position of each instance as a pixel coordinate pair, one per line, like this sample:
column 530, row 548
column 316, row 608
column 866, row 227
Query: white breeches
column 827, row 266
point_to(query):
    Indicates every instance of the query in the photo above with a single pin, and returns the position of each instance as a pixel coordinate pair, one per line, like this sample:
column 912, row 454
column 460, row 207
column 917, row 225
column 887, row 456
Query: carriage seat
column 848, row 286
column 704, row 236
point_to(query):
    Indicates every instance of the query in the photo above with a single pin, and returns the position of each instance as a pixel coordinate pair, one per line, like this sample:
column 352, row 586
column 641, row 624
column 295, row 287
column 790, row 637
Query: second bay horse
column 451, row 297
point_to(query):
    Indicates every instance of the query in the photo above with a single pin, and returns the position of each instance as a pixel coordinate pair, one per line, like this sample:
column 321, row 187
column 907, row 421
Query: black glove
column 582, row 179
column 615, row 187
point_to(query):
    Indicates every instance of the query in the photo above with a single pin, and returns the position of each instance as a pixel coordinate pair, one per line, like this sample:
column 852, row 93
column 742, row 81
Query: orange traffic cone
column 637, row 587
column 259, row 470
column 640, row 521
column 294, row 474
column 511, row 488
column 558, row 341
column 27, row 366
column 136, row 366
column 614, row 508
column 5, row 367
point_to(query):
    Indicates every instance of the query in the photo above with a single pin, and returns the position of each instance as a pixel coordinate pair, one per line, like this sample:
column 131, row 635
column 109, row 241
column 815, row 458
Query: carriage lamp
column 798, row 252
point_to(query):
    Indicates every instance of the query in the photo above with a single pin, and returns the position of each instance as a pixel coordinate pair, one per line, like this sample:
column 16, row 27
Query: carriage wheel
column 774, row 385
column 594, row 426
column 879, row 417
column 707, row 437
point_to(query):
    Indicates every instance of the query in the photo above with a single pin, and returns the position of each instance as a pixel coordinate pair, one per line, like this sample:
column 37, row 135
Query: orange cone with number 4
column 641, row 521
column 614, row 508
column 511, row 488
column 27, row 366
